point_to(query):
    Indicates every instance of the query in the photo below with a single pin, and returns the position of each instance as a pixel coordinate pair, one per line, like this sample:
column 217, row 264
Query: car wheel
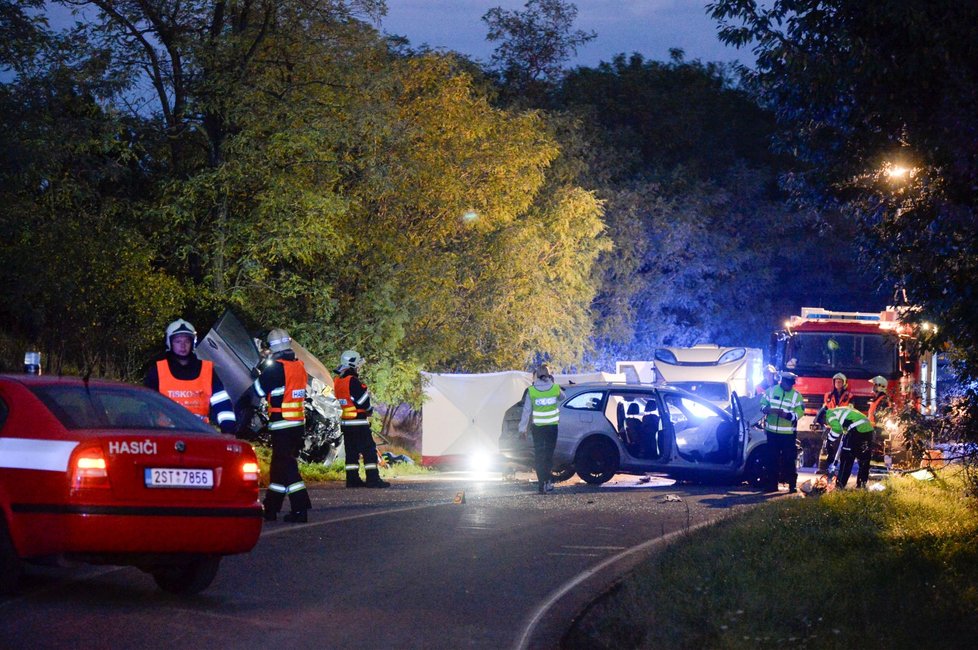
column 597, row 461
column 188, row 578
column 755, row 472
column 562, row 474
column 11, row 566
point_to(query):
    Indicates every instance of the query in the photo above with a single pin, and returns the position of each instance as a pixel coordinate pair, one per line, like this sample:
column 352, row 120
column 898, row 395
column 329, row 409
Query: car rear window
column 712, row 390
column 102, row 407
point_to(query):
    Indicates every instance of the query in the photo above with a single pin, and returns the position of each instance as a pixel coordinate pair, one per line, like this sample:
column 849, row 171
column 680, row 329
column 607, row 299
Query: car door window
column 589, row 401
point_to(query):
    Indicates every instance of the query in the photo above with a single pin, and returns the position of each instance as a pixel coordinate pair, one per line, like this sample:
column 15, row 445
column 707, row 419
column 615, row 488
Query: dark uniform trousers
column 856, row 445
column 782, row 452
column 544, row 443
column 357, row 440
column 284, row 472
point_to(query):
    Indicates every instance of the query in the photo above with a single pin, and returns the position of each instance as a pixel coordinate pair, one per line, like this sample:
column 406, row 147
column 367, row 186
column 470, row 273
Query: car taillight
column 249, row 472
column 89, row 470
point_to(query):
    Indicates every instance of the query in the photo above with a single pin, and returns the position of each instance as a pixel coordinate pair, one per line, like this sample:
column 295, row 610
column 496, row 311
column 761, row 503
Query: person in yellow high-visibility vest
column 541, row 414
column 783, row 406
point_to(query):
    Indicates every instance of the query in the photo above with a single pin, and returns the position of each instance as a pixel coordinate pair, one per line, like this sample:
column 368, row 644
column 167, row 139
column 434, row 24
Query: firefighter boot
column 374, row 480
column 353, row 479
column 300, row 517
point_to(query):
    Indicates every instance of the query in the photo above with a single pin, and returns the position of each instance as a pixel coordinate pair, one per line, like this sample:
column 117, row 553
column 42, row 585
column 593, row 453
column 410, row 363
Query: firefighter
column 190, row 382
column 857, row 443
column 542, row 402
column 770, row 379
column 838, row 396
column 354, row 399
column 783, row 406
column 879, row 403
column 282, row 383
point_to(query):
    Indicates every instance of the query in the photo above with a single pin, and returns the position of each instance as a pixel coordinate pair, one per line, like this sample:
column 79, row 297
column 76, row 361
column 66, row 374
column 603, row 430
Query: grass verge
column 890, row 569
column 318, row 473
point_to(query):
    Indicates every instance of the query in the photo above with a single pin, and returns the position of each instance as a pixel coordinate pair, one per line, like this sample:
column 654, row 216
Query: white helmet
column 351, row 359
column 279, row 340
column 879, row 382
column 180, row 326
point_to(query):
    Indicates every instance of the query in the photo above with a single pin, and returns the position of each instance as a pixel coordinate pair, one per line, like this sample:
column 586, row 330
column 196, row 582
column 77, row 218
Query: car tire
column 11, row 566
column 755, row 471
column 596, row 461
column 187, row 578
column 562, row 474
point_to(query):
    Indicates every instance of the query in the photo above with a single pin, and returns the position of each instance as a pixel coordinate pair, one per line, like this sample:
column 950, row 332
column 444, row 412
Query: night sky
column 650, row 27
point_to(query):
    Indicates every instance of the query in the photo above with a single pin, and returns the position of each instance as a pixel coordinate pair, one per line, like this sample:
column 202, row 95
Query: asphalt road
column 405, row 567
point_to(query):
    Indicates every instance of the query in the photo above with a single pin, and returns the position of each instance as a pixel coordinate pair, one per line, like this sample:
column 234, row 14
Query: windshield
column 859, row 356
column 102, row 407
column 714, row 391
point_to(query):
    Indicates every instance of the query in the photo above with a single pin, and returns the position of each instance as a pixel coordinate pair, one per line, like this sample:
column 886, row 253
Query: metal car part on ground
column 108, row 473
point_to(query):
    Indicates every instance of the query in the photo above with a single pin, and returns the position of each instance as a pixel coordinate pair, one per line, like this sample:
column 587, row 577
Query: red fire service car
column 108, row 473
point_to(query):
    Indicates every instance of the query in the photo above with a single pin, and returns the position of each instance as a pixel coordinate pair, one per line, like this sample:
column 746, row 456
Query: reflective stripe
column 370, row 465
column 544, row 420
column 364, row 397
column 347, row 423
column 277, row 391
column 295, row 487
column 258, row 388
column 773, row 428
column 28, row 453
column 352, row 467
column 285, row 424
column 220, row 396
column 278, row 487
column 226, row 416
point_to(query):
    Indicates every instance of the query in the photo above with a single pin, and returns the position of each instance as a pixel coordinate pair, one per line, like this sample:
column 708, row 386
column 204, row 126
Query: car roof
column 64, row 380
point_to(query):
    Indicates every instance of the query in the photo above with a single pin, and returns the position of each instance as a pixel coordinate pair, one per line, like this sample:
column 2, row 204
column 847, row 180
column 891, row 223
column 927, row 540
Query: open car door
column 233, row 352
column 740, row 440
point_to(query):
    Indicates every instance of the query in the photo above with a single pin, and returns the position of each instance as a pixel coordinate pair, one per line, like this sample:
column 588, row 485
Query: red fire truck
column 820, row 343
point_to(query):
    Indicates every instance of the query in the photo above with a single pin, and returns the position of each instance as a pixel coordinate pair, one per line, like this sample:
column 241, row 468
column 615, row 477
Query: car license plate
column 168, row 477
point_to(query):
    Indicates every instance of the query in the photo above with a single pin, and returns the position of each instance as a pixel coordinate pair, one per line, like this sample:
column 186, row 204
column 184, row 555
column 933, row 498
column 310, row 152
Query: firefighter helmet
column 839, row 375
column 279, row 340
column 180, row 326
column 350, row 359
column 879, row 382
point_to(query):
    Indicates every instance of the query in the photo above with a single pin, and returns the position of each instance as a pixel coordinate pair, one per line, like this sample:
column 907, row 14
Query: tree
column 863, row 91
column 534, row 45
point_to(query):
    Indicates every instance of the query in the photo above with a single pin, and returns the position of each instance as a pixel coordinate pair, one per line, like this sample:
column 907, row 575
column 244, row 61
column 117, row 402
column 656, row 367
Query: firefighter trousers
column 358, row 440
column 855, row 446
column 284, row 478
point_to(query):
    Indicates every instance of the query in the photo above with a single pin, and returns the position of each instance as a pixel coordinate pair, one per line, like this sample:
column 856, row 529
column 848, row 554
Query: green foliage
column 860, row 89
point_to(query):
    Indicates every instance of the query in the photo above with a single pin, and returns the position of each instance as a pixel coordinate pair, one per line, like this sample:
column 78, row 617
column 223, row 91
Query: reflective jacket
column 545, row 409
column 790, row 402
column 846, row 419
column 283, row 384
column 194, row 394
column 834, row 400
column 354, row 399
column 880, row 402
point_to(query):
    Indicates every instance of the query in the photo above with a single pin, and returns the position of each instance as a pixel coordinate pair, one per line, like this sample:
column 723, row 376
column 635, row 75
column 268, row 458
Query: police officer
column 541, row 414
column 838, row 396
column 354, row 399
column 282, row 383
column 783, row 406
column 190, row 382
column 857, row 443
